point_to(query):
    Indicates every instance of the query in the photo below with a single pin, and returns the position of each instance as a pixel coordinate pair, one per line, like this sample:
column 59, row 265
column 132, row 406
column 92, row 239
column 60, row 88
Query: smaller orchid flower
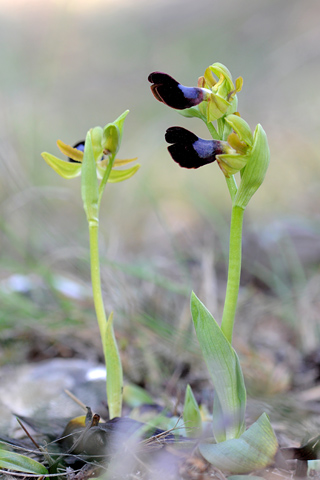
column 190, row 151
column 105, row 144
column 170, row 92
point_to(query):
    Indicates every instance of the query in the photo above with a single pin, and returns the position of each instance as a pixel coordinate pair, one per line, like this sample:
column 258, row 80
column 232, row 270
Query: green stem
column 105, row 178
column 231, row 181
column 232, row 186
column 234, row 271
column 96, row 280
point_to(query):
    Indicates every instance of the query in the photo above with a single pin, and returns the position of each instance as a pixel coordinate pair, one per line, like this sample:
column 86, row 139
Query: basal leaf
column 254, row 450
column 225, row 370
column 20, row 463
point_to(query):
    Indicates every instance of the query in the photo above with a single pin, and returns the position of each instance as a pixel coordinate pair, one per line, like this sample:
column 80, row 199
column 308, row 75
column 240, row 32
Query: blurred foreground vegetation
column 164, row 233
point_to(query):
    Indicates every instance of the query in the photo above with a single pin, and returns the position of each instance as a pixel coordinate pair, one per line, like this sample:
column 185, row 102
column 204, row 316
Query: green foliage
column 191, row 415
column 20, row 463
column 253, row 450
column 225, row 371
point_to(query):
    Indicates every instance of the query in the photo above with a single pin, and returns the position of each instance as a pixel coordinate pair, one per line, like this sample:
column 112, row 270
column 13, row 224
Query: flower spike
column 190, row 151
column 170, row 92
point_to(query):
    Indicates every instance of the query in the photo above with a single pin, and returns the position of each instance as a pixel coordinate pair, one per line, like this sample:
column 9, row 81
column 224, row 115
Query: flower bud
column 256, row 167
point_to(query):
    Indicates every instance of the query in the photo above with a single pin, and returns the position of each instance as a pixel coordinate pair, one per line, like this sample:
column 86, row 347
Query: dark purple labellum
column 167, row 90
column 190, row 151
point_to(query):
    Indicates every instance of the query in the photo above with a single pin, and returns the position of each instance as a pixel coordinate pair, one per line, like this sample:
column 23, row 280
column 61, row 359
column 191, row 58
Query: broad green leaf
column 254, row 450
column 64, row 168
column 114, row 370
column 191, row 415
column 89, row 182
column 225, row 370
column 20, row 463
column 136, row 396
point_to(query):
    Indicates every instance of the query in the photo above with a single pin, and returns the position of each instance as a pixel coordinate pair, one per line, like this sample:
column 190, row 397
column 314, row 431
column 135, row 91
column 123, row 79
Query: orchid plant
column 95, row 159
column 235, row 149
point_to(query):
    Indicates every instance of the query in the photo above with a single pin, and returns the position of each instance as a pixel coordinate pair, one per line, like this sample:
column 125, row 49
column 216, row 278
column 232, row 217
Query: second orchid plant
column 235, row 149
column 95, row 160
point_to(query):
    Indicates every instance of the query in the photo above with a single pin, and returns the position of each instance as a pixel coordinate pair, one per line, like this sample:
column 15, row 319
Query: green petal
column 71, row 152
column 241, row 127
column 121, row 175
column 63, row 168
column 111, row 138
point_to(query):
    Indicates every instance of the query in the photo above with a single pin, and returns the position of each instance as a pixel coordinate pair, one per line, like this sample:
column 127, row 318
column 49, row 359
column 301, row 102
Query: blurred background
column 67, row 66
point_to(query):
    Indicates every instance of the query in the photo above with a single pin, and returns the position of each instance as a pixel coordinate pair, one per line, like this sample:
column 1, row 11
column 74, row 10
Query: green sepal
column 194, row 112
column 241, row 127
column 89, row 182
column 255, row 170
column 225, row 370
column 216, row 107
column 191, row 415
column 121, row 175
column 63, row 168
column 20, row 463
column 119, row 122
column 118, row 175
column 255, row 449
column 114, row 370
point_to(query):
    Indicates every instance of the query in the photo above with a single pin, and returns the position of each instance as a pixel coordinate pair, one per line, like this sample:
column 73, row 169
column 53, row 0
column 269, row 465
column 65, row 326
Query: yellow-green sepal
column 191, row 415
column 255, row 169
column 216, row 107
column 63, row 168
column 121, row 175
column 231, row 163
column 116, row 176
